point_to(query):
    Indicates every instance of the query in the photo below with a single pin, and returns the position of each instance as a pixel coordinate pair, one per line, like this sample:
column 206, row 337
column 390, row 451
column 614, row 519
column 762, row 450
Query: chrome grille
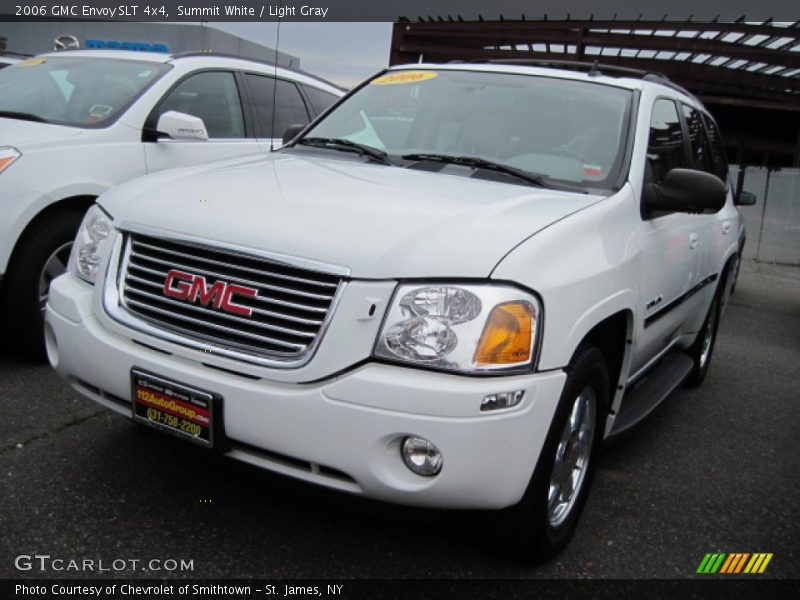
column 287, row 312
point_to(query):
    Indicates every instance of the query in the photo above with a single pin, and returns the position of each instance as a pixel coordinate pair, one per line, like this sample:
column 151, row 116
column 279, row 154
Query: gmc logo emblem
column 194, row 289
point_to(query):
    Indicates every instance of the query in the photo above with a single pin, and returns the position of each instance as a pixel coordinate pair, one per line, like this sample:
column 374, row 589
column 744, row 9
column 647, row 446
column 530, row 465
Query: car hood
column 376, row 220
column 29, row 135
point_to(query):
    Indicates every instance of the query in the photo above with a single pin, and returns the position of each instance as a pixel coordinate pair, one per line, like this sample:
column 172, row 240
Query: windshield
column 566, row 130
column 77, row 91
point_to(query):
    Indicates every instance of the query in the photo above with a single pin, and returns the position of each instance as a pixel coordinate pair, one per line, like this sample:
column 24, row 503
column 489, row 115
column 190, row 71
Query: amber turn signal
column 507, row 338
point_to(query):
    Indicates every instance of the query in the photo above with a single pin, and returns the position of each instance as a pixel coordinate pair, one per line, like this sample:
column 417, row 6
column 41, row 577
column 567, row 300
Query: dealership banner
column 372, row 10
column 384, row 589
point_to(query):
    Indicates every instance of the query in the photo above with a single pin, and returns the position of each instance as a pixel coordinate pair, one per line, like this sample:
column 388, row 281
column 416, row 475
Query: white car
column 74, row 124
column 446, row 292
column 7, row 61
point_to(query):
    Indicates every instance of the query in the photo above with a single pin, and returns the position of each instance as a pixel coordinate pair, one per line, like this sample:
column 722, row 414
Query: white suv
column 74, row 124
column 446, row 292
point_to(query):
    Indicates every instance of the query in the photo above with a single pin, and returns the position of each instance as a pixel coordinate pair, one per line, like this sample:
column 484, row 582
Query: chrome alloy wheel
column 572, row 457
column 55, row 265
column 708, row 335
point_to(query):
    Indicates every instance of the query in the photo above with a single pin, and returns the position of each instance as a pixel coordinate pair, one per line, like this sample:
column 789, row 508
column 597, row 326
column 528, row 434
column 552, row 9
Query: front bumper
column 342, row 432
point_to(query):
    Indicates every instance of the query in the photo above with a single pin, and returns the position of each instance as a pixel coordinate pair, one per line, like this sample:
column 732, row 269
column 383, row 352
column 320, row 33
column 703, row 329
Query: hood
column 376, row 220
column 28, row 135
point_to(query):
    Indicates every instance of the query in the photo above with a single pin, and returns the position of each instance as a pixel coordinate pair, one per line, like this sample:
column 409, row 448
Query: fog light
column 502, row 400
column 422, row 457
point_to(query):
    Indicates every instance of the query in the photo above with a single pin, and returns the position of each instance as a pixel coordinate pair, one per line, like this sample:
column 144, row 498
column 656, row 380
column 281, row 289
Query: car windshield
column 77, row 91
column 567, row 130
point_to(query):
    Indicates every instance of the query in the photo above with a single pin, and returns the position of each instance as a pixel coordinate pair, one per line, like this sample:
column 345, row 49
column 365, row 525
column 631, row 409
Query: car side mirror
column 686, row 190
column 745, row 199
column 292, row 131
column 180, row 126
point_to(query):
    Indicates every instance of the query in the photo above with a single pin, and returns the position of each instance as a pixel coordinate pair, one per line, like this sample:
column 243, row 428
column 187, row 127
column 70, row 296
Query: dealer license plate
column 173, row 407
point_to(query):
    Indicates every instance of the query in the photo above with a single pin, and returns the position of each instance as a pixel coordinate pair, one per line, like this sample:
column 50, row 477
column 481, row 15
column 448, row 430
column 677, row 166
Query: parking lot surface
column 713, row 469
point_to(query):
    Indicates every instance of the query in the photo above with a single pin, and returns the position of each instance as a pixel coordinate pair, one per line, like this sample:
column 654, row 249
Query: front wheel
column 545, row 519
column 701, row 351
column 41, row 256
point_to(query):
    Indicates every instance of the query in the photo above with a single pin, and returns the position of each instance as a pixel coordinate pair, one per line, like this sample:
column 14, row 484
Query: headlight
column 85, row 258
column 8, row 154
column 468, row 328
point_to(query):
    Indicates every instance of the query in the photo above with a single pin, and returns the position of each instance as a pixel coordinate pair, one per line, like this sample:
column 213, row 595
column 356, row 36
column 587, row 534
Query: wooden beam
column 699, row 26
column 748, row 103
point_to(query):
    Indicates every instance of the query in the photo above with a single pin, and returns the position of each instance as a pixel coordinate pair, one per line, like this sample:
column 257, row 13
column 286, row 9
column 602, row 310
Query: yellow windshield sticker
column 403, row 77
column 30, row 62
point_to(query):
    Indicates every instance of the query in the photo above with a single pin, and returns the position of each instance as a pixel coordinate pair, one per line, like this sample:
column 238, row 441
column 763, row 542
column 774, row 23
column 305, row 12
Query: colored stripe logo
column 734, row 563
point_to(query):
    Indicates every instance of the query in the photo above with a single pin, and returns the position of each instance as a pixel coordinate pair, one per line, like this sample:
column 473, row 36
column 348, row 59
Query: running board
column 652, row 390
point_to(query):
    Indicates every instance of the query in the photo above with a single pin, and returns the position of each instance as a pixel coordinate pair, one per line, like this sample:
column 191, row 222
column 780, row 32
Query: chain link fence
column 773, row 223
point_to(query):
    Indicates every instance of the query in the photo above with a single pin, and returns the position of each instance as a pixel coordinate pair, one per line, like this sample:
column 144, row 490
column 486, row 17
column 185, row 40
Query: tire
column 48, row 238
column 735, row 271
column 536, row 529
column 702, row 349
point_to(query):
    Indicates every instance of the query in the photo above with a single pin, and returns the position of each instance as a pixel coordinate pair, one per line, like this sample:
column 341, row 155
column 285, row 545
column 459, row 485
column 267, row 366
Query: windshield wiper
column 481, row 163
column 342, row 144
column 22, row 116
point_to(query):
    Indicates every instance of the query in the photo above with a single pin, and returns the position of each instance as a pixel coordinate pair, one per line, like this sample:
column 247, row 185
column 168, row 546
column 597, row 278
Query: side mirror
column 745, row 199
column 292, row 131
column 180, row 126
column 686, row 190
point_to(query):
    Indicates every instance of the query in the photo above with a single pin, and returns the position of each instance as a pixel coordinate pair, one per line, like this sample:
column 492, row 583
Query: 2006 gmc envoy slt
column 445, row 292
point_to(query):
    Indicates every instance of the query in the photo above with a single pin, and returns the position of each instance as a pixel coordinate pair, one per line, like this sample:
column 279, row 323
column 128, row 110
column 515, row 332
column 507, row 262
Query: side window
column 290, row 108
column 665, row 150
column 697, row 139
column 320, row 100
column 212, row 96
column 719, row 163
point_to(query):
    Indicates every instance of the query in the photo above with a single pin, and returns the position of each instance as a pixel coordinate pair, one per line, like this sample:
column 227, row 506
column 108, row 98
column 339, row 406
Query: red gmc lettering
column 181, row 289
column 193, row 288
column 205, row 295
column 229, row 306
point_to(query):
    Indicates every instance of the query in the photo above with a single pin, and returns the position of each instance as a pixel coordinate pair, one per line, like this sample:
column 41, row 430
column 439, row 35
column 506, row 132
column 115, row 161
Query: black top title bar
column 394, row 10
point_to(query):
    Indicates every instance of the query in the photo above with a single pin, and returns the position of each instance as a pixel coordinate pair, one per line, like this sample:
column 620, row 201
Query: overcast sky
column 344, row 53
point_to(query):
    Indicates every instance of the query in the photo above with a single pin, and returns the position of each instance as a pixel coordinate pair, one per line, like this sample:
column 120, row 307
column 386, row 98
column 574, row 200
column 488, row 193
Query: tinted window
column 290, row 106
column 665, row 149
column 697, row 139
column 319, row 100
column 211, row 96
column 719, row 164
column 82, row 92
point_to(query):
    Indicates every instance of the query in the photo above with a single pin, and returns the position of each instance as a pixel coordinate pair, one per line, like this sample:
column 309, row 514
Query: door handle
column 693, row 239
column 726, row 227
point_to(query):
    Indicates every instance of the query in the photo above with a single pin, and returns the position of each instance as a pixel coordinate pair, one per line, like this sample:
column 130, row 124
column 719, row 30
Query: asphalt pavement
column 714, row 469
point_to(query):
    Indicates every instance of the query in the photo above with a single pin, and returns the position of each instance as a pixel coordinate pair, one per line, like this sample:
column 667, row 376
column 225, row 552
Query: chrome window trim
column 112, row 296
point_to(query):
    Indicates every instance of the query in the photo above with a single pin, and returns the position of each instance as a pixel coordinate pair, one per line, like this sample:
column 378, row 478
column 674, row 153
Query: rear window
column 320, row 100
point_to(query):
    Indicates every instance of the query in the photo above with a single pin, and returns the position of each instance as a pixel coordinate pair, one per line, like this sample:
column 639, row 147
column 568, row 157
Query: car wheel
column 735, row 271
column 543, row 522
column 703, row 348
column 41, row 256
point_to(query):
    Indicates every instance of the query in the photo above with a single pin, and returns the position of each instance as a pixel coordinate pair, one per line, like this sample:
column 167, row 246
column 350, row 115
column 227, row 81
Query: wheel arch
column 80, row 202
column 613, row 336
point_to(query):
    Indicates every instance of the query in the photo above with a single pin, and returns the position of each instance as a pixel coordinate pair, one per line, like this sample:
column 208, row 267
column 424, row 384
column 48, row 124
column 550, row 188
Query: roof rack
column 591, row 68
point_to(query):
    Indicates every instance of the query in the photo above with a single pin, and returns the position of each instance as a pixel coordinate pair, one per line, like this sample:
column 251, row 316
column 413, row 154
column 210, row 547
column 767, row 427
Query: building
column 44, row 36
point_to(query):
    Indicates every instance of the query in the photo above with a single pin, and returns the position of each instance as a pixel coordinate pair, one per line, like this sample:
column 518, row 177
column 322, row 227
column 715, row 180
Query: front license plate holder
column 175, row 408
